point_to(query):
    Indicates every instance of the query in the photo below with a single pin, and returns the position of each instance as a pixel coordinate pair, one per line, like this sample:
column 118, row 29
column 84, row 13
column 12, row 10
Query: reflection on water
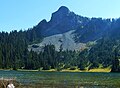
column 65, row 79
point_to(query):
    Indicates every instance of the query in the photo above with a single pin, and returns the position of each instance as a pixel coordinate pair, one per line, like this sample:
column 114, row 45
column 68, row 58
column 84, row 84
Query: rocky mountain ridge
column 64, row 24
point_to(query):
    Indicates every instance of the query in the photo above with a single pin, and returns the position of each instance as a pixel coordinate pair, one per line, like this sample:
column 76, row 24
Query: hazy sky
column 23, row 14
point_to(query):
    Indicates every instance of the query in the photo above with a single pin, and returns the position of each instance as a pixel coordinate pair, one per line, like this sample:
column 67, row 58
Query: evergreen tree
column 115, row 63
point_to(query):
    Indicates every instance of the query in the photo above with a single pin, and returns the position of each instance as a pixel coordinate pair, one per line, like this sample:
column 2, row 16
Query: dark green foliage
column 83, row 60
column 115, row 63
column 72, row 68
column 115, row 66
column 13, row 49
column 35, row 46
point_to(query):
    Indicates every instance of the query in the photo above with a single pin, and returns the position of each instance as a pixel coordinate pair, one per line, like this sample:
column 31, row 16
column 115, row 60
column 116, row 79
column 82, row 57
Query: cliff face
column 62, row 21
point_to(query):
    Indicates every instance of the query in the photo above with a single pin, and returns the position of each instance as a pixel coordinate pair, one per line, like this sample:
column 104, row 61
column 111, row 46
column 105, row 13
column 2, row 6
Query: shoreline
column 63, row 70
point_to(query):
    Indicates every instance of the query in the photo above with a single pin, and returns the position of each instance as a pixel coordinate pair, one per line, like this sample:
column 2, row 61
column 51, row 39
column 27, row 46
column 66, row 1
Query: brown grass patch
column 5, row 82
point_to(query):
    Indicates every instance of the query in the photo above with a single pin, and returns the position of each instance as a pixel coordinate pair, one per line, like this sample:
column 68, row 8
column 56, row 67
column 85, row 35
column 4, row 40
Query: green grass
column 36, row 79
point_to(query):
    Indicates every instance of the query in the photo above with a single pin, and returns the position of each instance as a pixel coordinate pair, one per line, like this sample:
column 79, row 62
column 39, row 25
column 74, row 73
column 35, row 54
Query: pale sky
column 24, row 14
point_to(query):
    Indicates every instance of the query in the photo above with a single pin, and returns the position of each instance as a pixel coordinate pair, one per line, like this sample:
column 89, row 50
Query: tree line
column 14, row 53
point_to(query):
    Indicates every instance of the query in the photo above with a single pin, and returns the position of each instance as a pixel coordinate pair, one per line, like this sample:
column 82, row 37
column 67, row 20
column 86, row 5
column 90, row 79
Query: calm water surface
column 65, row 79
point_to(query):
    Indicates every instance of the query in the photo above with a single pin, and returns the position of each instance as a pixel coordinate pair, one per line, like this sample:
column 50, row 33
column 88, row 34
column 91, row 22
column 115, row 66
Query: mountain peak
column 63, row 9
column 60, row 14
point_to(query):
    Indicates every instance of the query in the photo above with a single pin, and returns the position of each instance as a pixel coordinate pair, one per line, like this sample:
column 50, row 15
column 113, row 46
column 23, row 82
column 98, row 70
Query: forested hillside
column 100, row 36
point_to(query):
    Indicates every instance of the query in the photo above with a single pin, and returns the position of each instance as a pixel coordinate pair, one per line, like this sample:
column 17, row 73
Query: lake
column 65, row 79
